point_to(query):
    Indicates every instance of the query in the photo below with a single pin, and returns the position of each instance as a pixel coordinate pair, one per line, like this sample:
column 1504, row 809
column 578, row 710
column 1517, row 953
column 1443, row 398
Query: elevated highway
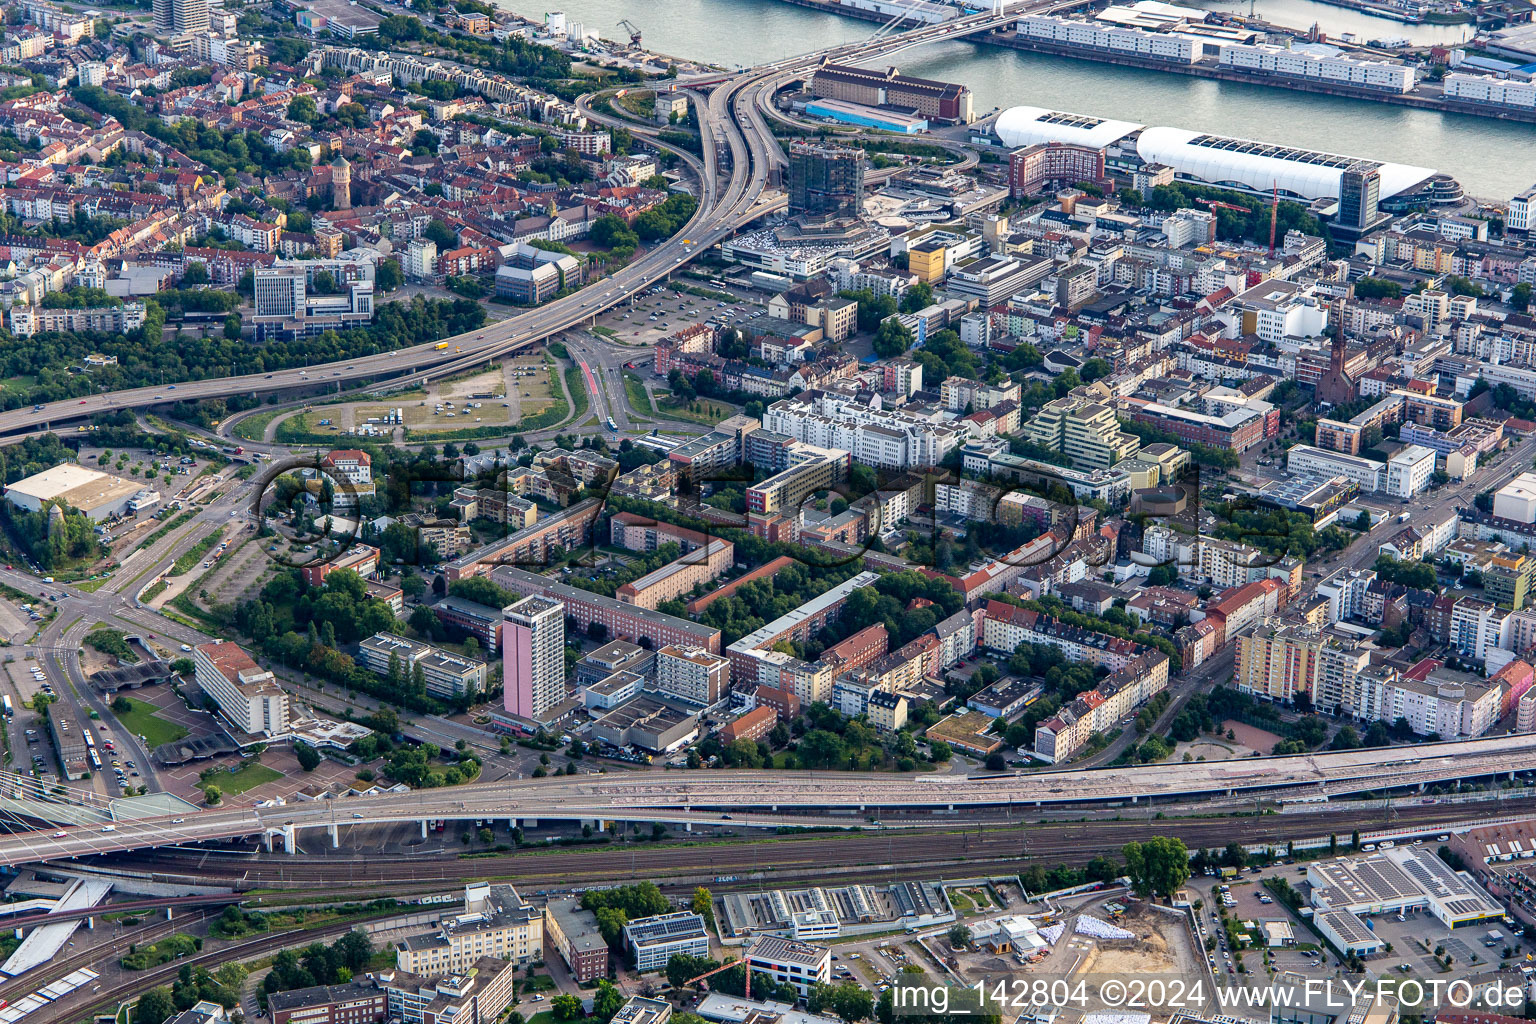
column 734, row 107
column 769, row 798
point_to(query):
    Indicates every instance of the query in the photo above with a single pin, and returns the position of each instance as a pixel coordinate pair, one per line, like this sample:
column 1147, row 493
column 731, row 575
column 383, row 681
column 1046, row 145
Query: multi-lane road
column 800, row 798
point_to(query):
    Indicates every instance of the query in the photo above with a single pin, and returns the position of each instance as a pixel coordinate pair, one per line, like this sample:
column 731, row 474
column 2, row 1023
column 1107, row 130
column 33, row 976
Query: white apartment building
column 1484, row 89
column 496, row 922
column 1345, row 591
column 1095, row 35
column 692, row 674
column 1410, row 471
column 879, row 437
column 1263, row 58
column 1478, row 627
column 247, row 694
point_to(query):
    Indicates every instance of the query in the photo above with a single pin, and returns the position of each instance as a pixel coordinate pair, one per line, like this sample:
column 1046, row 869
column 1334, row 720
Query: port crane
column 633, row 30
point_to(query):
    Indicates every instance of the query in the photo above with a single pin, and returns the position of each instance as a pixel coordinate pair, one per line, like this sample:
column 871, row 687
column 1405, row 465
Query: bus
column 95, row 759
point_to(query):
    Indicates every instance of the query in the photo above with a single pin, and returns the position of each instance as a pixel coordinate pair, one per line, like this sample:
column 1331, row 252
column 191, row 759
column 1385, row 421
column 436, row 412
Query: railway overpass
column 769, row 798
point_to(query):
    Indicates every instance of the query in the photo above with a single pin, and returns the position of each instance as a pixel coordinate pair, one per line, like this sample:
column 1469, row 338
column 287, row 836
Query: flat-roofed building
column 495, row 922
column 446, row 675
column 97, row 495
column 480, row 621
column 791, row 962
column 356, row 1002
column 647, row 724
column 692, row 674
column 627, row 621
column 247, row 694
column 533, row 656
column 679, row 576
column 654, row 939
column 640, row 1010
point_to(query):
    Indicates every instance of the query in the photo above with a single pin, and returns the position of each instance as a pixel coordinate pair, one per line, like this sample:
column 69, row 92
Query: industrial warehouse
column 98, row 495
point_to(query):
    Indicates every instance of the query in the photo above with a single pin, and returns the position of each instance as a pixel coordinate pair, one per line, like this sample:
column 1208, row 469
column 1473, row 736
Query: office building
column 305, row 298
column 1359, row 196
column 1034, row 169
column 575, row 935
column 446, row 675
column 791, row 962
column 692, row 674
column 530, row 275
column 480, row 621
column 495, row 922
column 247, row 694
column 653, row 940
column 1410, row 471
column 479, row 995
column 533, row 656
column 825, row 180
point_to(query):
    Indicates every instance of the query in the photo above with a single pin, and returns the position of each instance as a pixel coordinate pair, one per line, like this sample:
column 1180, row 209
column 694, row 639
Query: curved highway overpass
column 734, row 106
column 806, row 798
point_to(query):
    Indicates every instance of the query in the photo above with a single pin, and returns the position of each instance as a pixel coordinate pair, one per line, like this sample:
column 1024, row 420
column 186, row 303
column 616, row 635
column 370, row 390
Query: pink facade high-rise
column 533, row 657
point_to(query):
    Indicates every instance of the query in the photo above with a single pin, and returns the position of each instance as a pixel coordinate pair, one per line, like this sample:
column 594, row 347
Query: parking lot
column 658, row 314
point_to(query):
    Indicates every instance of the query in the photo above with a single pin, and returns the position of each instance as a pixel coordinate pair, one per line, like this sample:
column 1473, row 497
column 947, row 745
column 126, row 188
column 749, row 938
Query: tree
column 212, row 795
column 919, row 296
column 154, row 1007
column 440, row 233
column 606, row 1001
column 703, row 904
column 681, row 968
column 959, row 936
column 388, row 275
column 309, row 757
column 122, row 705
column 1157, row 866
column 566, row 1007
column 892, row 339
column 302, row 108
column 848, row 1000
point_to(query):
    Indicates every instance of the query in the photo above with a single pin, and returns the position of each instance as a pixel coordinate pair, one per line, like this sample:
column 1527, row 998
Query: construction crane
column 725, row 967
column 1274, row 215
column 1214, row 205
column 633, row 30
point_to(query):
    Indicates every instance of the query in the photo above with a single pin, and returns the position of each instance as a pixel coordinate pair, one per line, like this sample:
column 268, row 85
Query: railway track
column 142, row 981
column 1050, row 843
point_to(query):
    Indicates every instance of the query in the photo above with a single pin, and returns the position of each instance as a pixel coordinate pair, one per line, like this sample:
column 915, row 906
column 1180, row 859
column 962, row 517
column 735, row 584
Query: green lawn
column 141, row 718
column 709, row 412
column 634, row 389
column 249, row 776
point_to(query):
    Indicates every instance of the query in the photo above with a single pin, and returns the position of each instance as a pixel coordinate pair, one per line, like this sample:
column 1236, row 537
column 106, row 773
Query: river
column 1492, row 159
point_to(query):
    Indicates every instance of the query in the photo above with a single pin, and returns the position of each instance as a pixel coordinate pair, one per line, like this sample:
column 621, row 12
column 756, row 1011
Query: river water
column 1492, row 159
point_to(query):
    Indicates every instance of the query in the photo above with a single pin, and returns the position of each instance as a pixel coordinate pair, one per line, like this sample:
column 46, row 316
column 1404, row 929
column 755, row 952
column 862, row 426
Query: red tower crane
column 725, row 967
column 1274, row 215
